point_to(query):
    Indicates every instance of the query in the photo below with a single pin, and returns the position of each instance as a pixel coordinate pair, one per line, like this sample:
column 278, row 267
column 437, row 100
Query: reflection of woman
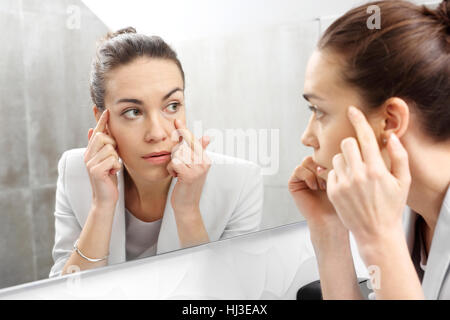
column 169, row 194
column 392, row 149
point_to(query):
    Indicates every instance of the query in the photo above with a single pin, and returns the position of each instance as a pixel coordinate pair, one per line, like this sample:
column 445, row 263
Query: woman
column 380, row 130
column 145, row 185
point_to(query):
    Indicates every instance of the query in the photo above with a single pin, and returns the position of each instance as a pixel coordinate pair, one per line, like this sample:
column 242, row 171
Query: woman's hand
column 330, row 238
column 309, row 193
column 102, row 163
column 368, row 197
column 190, row 165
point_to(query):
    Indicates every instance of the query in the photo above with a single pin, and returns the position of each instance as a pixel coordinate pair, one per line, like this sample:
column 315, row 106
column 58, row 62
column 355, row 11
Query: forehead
column 143, row 78
column 322, row 73
column 324, row 78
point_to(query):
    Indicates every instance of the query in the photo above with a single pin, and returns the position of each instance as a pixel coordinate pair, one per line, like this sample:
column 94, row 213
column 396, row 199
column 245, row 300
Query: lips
column 161, row 157
column 156, row 154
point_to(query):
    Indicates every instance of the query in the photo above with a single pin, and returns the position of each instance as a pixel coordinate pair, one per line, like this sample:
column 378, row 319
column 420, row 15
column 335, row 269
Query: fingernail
column 394, row 138
column 352, row 111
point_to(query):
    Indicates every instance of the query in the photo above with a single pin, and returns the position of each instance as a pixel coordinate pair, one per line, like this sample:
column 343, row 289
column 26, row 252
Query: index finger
column 309, row 164
column 101, row 124
column 366, row 137
column 187, row 135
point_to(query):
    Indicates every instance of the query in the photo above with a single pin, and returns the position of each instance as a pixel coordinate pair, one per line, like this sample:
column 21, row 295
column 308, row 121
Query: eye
column 131, row 113
column 319, row 114
column 173, row 107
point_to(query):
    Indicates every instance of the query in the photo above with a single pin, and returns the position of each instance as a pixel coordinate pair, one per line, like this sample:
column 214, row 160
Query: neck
column 146, row 196
column 430, row 180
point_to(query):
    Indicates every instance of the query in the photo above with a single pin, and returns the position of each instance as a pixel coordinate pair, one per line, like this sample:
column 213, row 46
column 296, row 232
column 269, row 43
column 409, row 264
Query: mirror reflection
column 190, row 91
column 145, row 185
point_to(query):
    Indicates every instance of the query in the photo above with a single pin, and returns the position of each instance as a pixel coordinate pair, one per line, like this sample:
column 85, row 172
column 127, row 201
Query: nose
column 309, row 138
column 155, row 129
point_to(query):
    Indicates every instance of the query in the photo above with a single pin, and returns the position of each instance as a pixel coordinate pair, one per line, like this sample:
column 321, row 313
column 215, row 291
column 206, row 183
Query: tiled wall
column 45, row 109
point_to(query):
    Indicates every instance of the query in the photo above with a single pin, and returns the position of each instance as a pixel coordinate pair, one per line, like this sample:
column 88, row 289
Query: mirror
column 244, row 64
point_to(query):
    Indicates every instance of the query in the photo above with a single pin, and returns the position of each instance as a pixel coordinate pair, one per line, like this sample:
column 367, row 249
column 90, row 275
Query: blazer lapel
column 439, row 257
column 117, row 242
column 168, row 239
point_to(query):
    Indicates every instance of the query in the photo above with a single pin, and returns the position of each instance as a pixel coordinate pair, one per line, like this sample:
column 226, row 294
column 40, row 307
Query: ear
column 97, row 112
column 396, row 117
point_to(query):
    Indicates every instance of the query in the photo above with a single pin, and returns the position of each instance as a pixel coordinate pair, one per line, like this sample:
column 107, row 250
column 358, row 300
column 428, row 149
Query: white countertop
column 270, row 264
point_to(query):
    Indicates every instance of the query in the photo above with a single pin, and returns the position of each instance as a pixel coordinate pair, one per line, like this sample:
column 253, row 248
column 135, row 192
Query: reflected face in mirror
column 145, row 97
column 329, row 98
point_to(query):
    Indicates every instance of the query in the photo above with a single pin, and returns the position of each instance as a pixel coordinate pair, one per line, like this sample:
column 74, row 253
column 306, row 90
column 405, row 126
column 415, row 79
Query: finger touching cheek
column 171, row 170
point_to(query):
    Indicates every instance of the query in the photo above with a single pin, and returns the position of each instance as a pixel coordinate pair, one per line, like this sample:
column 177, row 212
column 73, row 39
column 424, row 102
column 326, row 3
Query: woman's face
column 144, row 98
column 329, row 98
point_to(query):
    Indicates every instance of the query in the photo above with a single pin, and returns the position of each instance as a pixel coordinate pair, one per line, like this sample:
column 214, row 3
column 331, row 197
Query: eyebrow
column 171, row 93
column 309, row 96
column 137, row 101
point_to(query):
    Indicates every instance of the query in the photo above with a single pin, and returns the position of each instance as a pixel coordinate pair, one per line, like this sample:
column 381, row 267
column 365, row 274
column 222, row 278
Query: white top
column 141, row 237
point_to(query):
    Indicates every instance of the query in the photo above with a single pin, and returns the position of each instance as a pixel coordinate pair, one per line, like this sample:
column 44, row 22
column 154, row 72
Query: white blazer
column 230, row 205
column 436, row 278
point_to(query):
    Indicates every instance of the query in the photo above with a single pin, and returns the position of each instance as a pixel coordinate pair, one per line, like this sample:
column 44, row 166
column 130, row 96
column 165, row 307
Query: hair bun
column 443, row 13
column 111, row 35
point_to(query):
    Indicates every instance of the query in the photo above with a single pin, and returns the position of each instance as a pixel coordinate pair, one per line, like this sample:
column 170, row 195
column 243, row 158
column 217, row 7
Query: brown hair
column 408, row 57
column 122, row 47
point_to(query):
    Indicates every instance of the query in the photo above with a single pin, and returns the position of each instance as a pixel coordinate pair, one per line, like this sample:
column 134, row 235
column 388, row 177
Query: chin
column 156, row 174
column 151, row 174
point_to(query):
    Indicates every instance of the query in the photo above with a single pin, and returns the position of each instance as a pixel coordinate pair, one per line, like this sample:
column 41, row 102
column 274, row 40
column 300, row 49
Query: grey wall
column 45, row 109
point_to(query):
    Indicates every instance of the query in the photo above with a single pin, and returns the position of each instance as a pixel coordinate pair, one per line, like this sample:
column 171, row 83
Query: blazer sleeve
column 246, row 217
column 67, row 228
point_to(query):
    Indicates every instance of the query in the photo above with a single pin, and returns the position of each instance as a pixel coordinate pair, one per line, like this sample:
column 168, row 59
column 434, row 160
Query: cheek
column 169, row 125
column 180, row 115
column 125, row 139
column 330, row 141
column 330, row 147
